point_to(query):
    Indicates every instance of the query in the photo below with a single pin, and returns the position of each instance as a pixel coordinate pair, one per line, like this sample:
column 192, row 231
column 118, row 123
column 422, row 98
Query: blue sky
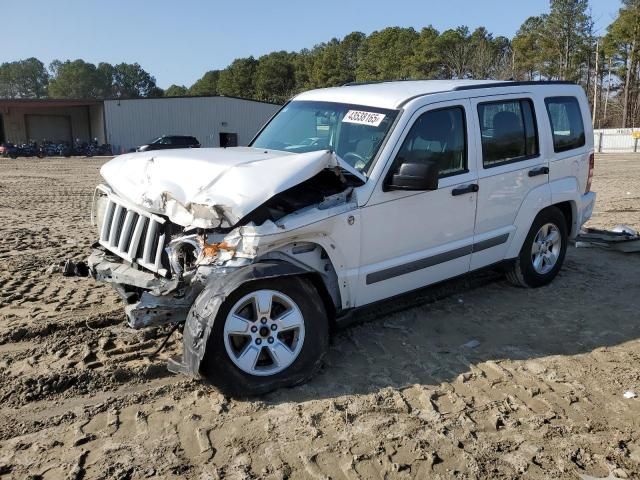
column 177, row 41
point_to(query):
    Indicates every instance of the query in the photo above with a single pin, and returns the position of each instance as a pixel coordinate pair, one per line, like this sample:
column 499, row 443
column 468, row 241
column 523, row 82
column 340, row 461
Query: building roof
column 177, row 97
column 46, row 102
column 79, row 102
column 394, row 94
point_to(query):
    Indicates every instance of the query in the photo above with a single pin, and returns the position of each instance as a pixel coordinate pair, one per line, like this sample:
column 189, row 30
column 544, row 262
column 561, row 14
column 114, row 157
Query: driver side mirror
column 414, row 176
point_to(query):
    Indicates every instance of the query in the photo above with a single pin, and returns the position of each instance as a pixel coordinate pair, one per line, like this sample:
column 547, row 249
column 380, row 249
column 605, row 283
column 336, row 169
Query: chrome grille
column 134, row 235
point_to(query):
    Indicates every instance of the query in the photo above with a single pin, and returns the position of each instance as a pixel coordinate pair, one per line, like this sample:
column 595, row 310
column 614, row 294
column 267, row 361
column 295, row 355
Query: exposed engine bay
column 314, row 191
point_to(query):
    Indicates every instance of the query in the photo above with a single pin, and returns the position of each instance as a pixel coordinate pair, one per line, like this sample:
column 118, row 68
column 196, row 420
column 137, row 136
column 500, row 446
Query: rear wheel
column 267, row 334
column 543, row 251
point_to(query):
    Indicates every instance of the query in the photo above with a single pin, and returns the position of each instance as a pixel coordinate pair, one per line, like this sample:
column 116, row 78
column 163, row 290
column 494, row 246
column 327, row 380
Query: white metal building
column 125, row 124
column 212, row 120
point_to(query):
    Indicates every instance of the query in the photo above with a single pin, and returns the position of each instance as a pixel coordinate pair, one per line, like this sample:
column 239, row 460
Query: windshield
column 354, row 132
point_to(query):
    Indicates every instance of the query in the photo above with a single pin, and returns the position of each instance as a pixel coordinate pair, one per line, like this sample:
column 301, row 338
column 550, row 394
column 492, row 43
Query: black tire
column 219, row 369
column 521, row 272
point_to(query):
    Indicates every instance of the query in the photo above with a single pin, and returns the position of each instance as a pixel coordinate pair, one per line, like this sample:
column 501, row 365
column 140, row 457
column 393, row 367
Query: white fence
column 616, row 140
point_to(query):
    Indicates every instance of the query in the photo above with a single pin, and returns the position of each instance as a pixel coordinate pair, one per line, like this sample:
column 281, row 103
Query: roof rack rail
column 374, row 82
column 513, row 84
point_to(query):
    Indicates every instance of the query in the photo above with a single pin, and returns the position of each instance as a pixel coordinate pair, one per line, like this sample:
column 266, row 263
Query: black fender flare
column 204, row 310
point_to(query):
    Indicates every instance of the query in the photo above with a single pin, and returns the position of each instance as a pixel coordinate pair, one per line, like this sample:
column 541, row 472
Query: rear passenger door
column 510, row 166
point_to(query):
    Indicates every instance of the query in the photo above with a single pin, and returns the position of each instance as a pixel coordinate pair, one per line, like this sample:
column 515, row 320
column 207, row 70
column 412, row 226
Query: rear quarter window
column 566, row 123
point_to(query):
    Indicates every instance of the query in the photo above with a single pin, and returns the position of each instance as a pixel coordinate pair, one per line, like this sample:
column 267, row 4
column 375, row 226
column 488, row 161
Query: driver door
column 411, row 239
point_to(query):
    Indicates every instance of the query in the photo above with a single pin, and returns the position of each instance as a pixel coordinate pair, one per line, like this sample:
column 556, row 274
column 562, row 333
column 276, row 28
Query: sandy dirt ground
column 477, row 379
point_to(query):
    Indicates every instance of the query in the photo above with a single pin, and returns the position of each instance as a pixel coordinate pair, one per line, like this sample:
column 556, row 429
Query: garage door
column 55, row 128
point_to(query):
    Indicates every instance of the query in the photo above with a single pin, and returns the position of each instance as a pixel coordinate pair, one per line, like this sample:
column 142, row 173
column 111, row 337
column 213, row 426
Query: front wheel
column 543, row 251
column 267, row 334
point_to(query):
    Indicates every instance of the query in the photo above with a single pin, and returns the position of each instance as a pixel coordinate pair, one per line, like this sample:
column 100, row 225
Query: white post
column 600, row 142
column 595, row 84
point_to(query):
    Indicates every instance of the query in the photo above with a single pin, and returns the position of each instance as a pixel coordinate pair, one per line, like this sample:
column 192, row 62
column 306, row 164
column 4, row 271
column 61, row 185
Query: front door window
column 437, row 136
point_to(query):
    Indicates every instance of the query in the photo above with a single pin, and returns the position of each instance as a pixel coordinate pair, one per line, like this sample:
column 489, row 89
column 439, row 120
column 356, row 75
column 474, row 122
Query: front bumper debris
column 152, row 311
column 154, row 300
column 111, row 269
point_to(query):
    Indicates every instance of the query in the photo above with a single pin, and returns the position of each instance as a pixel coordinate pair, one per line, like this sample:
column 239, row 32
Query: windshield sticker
column 364, row 118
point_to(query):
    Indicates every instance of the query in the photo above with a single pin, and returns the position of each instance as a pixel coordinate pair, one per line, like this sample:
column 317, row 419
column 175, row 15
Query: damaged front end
column 150, row 299
column 156, row 268
column 159, row 267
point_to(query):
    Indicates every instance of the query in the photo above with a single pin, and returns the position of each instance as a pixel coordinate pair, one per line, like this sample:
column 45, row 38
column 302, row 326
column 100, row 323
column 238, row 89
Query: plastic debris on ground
column 621, row 238
column 630, row 394
column 75, row 269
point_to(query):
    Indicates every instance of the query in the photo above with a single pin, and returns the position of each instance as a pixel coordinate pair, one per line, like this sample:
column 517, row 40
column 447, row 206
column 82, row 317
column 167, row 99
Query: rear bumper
column 585, row 209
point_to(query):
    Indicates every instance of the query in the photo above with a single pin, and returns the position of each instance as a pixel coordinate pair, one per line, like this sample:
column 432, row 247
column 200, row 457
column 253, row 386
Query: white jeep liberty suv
column 347, row 196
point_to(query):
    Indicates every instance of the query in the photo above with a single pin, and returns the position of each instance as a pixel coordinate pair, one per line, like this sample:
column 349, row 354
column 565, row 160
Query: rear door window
column 566, row 123
column 508, row 131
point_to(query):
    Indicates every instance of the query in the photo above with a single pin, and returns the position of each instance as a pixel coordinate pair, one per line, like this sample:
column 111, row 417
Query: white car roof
column 394, row 94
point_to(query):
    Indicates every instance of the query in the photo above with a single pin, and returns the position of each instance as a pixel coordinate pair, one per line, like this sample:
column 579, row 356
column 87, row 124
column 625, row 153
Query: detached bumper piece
column 621, row 238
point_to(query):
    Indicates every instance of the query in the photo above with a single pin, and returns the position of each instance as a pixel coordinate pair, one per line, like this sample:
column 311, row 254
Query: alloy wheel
column 264, row 332
column 546, row 248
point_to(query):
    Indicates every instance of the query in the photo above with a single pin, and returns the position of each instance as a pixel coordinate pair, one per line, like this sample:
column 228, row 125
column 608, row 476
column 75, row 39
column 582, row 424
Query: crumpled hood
column 211, row 187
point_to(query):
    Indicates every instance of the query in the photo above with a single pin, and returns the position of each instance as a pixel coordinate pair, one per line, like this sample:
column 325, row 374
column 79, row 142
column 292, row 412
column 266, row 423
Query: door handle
column 472, row 188
column 539, row 171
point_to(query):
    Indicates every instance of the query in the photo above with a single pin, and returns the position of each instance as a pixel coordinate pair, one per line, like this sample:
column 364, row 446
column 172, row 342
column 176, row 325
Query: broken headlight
column 183, row 253
column 99, row 206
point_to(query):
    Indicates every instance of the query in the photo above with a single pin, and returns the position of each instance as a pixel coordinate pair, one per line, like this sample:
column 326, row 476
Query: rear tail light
column 592, row 161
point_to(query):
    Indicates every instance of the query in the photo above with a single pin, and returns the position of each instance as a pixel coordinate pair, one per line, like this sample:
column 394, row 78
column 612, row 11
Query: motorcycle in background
column 52, row 149
column 92, row 148
column 24, row 150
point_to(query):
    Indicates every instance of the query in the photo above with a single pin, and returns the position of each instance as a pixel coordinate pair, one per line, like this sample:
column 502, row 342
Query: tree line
column 75, row 79
column 558, row 45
